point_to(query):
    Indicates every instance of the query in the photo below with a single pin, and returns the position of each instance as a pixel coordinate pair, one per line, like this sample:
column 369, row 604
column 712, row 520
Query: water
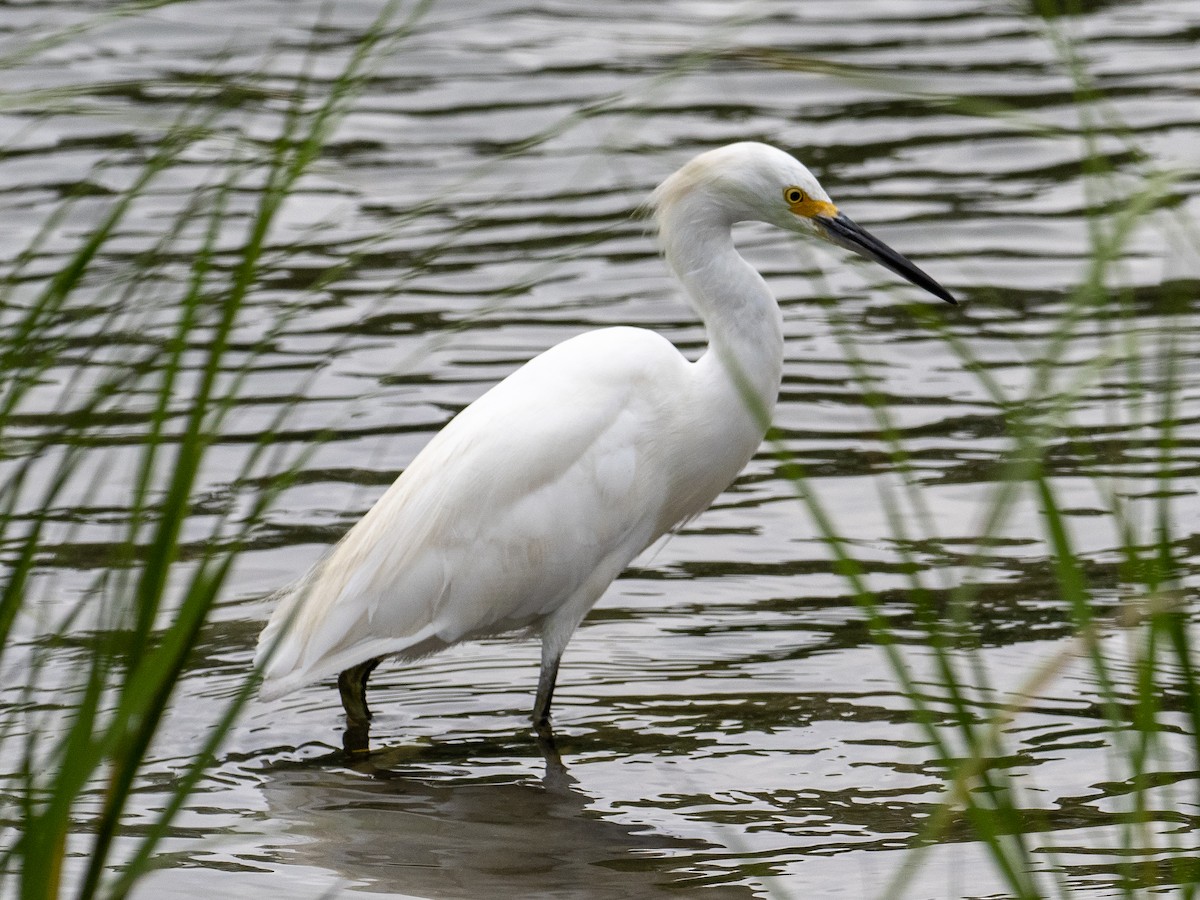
column 726, row 726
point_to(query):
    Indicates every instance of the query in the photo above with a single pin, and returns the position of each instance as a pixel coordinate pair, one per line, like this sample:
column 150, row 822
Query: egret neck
column 743, row 321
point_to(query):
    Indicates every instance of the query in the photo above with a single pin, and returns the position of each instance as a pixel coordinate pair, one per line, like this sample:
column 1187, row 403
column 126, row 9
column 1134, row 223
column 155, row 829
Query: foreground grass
column 145, row 610
column 1149, row 693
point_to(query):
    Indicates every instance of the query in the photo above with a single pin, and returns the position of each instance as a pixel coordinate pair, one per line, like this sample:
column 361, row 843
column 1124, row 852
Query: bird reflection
column 454, row 820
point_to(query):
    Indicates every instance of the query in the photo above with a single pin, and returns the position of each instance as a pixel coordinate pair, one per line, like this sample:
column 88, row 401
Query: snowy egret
column 524, row 508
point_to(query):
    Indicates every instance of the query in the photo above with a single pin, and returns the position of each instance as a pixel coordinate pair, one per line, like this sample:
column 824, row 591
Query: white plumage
column 524, row 508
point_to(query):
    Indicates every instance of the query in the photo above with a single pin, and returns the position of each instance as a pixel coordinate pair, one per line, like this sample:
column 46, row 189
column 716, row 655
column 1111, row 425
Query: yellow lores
column 803, row 205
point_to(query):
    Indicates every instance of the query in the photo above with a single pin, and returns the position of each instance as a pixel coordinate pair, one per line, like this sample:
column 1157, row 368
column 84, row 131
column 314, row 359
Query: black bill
column 842, row 231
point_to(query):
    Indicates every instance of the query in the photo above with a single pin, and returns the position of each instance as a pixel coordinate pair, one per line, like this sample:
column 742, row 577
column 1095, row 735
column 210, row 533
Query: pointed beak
column 842, row 230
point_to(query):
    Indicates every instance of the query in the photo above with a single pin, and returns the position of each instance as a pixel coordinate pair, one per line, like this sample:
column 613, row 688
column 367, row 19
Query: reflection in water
column 386, row 823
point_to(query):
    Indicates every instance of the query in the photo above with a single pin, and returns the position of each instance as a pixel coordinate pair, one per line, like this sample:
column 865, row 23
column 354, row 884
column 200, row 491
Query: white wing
column 528, row 503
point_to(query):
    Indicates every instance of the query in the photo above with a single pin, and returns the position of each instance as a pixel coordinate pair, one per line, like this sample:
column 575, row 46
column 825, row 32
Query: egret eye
column 793, row 195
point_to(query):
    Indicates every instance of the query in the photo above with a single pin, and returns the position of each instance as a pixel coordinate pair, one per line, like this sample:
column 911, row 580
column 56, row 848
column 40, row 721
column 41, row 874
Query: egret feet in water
column 352, row 686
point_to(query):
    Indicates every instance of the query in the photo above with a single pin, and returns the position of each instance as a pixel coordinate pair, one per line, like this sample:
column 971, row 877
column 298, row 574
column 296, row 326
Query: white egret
column 524, row 508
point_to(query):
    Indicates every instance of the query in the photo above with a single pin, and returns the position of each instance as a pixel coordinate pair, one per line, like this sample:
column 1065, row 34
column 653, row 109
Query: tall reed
column 133, row 632
column 964, row 717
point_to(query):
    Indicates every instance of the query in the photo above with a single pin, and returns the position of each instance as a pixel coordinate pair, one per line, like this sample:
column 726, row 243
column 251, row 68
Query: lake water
column 726, row 725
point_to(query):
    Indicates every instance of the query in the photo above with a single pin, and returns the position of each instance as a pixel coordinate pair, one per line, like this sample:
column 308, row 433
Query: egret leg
column 356, row 739
column 352, row 685
column 545, row 690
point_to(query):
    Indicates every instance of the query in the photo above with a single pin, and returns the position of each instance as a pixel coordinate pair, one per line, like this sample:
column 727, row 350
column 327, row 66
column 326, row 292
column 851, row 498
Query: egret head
column 749, row 181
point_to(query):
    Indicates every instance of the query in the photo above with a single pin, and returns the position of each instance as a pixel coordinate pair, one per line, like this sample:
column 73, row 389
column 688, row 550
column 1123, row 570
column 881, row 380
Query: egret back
column 562, row 470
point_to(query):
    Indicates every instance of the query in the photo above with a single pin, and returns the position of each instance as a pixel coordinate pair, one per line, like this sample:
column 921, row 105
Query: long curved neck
column 745, row 326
